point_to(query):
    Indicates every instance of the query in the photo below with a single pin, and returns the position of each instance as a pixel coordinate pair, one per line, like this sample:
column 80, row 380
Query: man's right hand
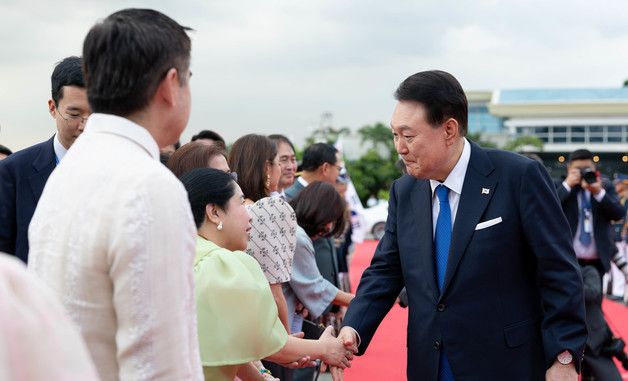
column 573, row 177
column 349, row 338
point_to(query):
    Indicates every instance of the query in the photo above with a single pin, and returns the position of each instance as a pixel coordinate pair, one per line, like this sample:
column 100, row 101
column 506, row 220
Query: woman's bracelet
column 265, row 371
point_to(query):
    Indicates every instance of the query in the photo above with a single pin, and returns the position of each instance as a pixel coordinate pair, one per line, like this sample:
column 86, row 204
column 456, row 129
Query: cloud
column 276, row 66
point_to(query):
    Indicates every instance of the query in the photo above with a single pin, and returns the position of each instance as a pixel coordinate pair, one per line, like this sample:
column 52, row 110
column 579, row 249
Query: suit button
column 437, row 345
column 440, row 307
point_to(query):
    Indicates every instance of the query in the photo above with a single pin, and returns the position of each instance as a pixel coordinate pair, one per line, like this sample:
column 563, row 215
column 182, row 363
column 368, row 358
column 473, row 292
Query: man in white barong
column 113, row 234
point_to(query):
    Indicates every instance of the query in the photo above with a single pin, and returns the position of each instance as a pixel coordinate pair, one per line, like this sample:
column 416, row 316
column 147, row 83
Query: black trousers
column 284, row 374
column 597, row 367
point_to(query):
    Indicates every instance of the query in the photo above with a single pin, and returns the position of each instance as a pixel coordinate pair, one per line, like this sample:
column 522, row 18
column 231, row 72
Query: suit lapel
column 477, row 190
column 422, row 208
column 43, row 165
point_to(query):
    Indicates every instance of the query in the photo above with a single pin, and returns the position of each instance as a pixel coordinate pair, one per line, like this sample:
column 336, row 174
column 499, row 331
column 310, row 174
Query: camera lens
column 588, row 175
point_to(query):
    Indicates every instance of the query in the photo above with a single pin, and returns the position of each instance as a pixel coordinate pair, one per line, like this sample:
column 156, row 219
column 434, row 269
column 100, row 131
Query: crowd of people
column 219, row 263
column 196, row 267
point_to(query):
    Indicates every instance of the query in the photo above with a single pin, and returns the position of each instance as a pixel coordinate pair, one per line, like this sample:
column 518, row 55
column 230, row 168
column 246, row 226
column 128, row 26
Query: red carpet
column 386, row 356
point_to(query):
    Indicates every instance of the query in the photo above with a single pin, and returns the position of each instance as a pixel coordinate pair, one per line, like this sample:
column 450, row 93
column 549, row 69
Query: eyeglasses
column 72, row 120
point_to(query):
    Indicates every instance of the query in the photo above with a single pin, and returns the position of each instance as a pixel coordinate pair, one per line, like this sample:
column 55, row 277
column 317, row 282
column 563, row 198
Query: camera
column 588, row 175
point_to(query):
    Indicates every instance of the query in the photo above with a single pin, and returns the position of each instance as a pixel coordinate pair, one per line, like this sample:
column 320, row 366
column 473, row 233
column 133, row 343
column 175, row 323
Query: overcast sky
column 276, row 66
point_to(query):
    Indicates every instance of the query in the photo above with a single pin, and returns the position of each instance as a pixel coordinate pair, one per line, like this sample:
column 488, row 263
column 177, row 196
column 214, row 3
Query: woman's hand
column 304, row 362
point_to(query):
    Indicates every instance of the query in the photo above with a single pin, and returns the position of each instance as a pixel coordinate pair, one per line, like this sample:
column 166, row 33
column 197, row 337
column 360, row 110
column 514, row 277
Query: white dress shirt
column 585, row 252
column 454, row 181
column 113, row 237
column 59, row 149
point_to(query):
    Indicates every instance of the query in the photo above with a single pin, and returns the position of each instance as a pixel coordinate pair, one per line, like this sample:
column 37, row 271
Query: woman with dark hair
column 320, row 212
column 227, row 279
column 197, row 155
column 273, row 234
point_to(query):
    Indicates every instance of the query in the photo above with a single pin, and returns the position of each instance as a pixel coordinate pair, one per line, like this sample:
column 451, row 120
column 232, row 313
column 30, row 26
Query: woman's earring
column 267, row 181
column 219, row 227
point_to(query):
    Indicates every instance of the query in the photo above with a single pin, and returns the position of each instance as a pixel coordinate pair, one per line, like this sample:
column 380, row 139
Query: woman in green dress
column 236, row 314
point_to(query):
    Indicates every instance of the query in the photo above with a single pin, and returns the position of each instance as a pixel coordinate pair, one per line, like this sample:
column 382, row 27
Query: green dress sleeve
column 236, row 314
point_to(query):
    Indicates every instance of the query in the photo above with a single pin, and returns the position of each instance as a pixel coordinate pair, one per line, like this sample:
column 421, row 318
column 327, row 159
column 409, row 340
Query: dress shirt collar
column 116, row 125
column 60, row 150
column 455, row 179
column 302, row 181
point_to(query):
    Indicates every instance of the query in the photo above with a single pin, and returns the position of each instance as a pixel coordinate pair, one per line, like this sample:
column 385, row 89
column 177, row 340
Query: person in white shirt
column 113, row 234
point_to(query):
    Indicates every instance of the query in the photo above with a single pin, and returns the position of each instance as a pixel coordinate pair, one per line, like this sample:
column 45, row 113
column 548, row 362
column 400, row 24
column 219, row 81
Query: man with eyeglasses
column 24, row 174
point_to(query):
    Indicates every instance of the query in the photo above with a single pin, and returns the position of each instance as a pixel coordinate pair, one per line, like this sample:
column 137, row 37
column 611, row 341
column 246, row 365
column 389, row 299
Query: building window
column 576, row 134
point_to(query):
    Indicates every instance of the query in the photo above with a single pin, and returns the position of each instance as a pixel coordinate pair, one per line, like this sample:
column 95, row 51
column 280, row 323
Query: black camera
column 588, row 175
column 614, row 347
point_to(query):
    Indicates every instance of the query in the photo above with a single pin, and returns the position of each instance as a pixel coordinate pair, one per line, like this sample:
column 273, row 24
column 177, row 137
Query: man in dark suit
column 590, row 210
column 24, row 173
column 477, row 237
column 320, row 163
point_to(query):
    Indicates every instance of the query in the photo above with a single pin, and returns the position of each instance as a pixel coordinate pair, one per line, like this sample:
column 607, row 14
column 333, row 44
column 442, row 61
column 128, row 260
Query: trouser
column 278, row 371
column 599, row 368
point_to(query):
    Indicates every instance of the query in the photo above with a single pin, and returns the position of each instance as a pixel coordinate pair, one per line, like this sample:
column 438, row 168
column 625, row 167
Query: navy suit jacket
column 22, row 179
column 294, row 190
column 603, row 212
column 512, row 298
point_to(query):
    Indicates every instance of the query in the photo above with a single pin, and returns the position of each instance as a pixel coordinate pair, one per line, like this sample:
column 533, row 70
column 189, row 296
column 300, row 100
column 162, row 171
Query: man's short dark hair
column 278, row 138
column 5, row 151
column 67, row 72
column 440, row 93
column 580, row 154
column 208, row 134
column 318, row 154
column 127, row 55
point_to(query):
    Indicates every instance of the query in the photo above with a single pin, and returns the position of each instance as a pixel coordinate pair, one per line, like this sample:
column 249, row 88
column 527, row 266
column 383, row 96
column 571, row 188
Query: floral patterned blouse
column 273, row 237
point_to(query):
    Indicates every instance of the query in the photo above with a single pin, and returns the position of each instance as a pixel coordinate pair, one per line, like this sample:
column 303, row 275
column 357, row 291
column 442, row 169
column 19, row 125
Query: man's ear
column 52, row 109
column 169, row 87
column 324, row 168
column 451, row 129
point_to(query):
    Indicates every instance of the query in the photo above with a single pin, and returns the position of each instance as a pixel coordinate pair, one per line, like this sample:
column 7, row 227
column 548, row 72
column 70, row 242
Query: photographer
column 589, row 211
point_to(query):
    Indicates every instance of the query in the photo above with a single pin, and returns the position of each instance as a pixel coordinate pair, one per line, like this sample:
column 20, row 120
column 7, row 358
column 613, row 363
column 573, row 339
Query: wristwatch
column 565, row 358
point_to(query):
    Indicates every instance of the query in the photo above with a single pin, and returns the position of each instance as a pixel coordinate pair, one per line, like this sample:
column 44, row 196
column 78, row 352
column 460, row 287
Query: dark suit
column 603, row 213
column 22, row 179
column 294, row 190
column 512, row 298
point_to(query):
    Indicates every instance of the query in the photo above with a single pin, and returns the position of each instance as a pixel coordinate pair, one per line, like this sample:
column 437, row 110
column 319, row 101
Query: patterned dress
column 273, row 237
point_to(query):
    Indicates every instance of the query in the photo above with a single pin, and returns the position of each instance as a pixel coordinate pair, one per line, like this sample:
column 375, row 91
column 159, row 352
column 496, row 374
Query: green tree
column 477, row 138
column 379, row 136
column 326, row 135
column 374, row 172
column 523, row 142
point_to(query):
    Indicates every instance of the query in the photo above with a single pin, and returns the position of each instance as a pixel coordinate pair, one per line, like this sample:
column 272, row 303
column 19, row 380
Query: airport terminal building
column 564, row 119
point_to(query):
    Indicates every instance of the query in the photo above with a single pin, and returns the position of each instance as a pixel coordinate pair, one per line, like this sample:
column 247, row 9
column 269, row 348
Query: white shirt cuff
column 598, row 197
column 566, row 186
column 356, row 334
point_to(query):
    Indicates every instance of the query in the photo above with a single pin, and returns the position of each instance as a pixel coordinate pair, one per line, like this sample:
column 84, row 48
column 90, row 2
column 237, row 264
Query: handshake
column 340, row 351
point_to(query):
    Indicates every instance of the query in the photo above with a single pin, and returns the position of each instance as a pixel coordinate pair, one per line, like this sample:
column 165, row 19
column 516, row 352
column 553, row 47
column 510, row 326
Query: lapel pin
column 485, row 191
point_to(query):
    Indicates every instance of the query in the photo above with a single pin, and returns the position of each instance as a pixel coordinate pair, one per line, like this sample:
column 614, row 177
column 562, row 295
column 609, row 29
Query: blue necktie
column 442, row 241
column 585, row 209
column 442, row 237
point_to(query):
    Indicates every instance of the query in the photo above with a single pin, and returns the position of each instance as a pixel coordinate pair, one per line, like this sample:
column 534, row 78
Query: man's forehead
column 582, row 163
